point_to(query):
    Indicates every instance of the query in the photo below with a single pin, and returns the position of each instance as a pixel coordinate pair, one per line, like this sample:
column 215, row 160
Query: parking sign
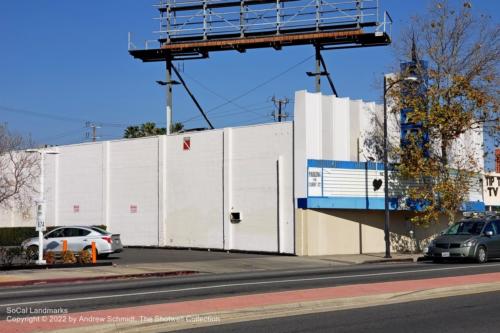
column 40, row 217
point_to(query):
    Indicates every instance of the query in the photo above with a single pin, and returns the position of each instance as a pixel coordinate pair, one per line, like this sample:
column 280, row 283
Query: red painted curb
column 93, row 278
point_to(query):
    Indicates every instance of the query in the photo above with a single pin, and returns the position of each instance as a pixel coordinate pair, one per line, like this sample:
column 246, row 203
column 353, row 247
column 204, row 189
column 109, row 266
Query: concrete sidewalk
column 268, row 263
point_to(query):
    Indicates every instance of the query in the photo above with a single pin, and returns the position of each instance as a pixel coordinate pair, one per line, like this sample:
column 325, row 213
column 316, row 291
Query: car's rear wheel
column 32, row 248
column 88, row 249
column 482, row 255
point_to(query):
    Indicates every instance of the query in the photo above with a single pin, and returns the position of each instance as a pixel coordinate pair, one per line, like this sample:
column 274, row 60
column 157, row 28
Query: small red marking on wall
column 133, row 209
column 76, row 208
column 187, row 143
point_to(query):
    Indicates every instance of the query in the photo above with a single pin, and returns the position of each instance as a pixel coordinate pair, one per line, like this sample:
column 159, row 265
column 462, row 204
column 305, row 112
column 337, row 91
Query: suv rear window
column 466, row 228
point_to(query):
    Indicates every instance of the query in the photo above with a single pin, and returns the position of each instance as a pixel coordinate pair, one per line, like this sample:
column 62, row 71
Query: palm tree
column 150, row 129
column 132, row 132
column 176, row 127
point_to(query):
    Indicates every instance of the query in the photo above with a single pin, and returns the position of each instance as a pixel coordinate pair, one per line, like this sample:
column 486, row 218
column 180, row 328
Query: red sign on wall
column 76, row 208
column 187, row 143
column 133, row 209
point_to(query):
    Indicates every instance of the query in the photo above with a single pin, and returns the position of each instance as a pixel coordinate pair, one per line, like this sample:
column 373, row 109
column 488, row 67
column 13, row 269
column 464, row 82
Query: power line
column 249, row 121
column 263, row 83
column 242, row 112
column 62, row 135
column 56, row 117
column 215, row 93
column 245, row 109
column 229, row 101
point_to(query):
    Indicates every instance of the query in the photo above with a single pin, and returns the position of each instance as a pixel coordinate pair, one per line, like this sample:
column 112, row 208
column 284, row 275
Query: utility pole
column 280, row 106
column 169, row 96
column 318, row 69
column 318, row 73
column 169, row 83
column 94, row 130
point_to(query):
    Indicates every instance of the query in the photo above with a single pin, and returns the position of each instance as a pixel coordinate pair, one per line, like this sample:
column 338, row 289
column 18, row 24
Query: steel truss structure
column 191, row 29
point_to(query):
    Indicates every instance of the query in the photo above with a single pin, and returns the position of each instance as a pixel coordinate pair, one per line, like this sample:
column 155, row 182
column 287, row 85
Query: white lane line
column 245, row 284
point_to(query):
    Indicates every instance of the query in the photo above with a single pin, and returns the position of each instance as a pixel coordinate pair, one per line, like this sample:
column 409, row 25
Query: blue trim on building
column 346, row 203
column 345, row 165
column 363, row 202
column 369, row 204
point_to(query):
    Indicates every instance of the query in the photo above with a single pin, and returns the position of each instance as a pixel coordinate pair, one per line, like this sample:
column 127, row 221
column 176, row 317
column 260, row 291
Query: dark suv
column 476, row 237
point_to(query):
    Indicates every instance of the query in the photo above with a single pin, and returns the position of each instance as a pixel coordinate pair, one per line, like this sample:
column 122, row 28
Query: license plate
column 445, row 254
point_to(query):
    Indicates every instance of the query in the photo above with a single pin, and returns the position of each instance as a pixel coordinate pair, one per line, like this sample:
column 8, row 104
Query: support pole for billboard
column 169, row 95
column 318, row 68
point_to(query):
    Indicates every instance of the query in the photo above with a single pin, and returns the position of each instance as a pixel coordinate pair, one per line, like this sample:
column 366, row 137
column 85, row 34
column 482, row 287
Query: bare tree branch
column 18, row 170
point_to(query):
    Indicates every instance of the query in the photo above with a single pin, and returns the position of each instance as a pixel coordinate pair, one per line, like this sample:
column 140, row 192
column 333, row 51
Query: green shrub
column 14, row 236
column 7, row 255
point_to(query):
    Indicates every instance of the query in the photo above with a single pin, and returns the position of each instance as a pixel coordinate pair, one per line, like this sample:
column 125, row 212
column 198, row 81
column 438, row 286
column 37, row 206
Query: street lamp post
column 386, row 165
column 40, row 216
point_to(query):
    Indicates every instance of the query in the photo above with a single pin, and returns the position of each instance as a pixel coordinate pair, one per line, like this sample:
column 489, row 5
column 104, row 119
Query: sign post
column 40, row 227
column 40, row 205
column 40, row 212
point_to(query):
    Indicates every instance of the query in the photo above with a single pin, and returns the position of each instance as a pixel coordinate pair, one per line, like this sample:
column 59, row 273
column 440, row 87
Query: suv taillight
column 107, row 239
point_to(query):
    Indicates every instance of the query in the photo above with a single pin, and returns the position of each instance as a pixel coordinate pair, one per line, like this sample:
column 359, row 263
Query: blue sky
column 69, row 60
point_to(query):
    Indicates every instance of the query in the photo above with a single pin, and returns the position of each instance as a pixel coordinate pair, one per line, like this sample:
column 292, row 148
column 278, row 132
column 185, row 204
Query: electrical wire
column 56, row 117
column 241, row 112
column 260, row 85
column 118, row 125
column 62, row 135
column 245, row 108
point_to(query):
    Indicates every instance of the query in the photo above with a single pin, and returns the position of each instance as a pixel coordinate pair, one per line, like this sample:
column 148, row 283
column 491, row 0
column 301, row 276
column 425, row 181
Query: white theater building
column 301, row 187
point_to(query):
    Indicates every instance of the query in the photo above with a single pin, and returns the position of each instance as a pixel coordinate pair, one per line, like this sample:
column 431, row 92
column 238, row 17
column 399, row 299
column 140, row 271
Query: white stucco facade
column 240, row 188
column 154, row 192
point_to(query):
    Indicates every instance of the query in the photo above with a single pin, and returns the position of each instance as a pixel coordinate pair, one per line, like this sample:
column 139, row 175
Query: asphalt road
column 470, row 313
column 123, row 293
column 149, row 255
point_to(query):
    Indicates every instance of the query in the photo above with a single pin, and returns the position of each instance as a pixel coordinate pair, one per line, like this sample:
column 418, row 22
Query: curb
column 55, row 266
column 376, row 261
column 94, row 278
